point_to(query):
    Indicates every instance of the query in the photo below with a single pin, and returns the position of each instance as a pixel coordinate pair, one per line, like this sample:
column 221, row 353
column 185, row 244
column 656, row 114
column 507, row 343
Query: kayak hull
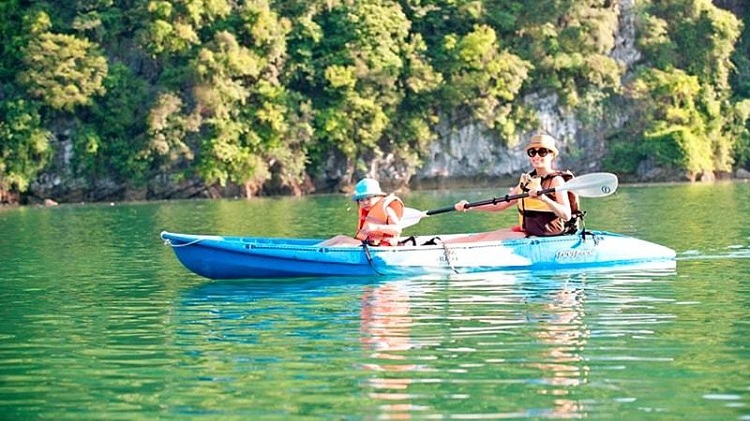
column 228, row 257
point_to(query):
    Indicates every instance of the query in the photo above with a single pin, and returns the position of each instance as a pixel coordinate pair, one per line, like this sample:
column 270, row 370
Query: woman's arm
column 561, row 204
column 497, row 207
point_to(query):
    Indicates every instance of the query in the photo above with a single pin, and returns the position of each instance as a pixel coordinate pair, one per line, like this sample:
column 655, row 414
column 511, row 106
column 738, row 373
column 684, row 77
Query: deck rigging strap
column 446, row 251
column 366, row 248
column 447, row 254
column 168, row 242
column 591, row 234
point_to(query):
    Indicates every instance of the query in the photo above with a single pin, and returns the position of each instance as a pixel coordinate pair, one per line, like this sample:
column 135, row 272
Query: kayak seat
column 411, row 239
column 432, row 241
column 407, row 240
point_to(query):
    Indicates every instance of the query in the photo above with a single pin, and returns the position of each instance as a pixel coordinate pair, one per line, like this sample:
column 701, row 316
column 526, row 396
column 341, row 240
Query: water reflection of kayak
column 226, row 257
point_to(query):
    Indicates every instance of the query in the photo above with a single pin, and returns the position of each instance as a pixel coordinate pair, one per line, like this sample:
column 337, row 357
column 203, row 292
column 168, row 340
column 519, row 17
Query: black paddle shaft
column 493, row 201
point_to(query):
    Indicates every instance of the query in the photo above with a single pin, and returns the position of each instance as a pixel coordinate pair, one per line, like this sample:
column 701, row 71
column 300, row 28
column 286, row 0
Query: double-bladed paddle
column 597, row 184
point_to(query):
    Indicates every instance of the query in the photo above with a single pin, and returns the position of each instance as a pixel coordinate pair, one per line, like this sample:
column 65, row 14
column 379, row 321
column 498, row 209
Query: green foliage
column 693, row 35
column 360, row 59
column 483, row 78
column 420, row 76
column 24, row 144
column 740, row 131
column 61, row 70
column 262, row 92
column 623, row 154
column 685, row 97
column 740, row 78
column 569, row 44
column 169, row 131
column 654, row 41
column 176, row 26
column 240, row 115
column 109, row 139
column 669, row 118
column 11, row 31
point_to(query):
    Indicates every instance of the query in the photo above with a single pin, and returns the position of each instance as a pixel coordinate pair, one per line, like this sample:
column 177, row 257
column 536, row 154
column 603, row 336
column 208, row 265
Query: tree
column 61, row 70
column 689, row 43
column 24, row 145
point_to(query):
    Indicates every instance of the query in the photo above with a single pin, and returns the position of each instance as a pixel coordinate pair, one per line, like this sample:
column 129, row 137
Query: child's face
column 368, row 202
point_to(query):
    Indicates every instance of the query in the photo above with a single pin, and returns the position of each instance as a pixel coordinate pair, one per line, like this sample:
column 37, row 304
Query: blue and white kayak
column 227, row 257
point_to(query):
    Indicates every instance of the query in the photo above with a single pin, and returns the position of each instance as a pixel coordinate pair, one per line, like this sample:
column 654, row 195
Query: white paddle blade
column 411, row 217
column 598, row 184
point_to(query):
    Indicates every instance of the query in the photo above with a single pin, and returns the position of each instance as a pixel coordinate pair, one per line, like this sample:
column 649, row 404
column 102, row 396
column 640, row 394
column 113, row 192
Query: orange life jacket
column 378, row 215
column 536, row 218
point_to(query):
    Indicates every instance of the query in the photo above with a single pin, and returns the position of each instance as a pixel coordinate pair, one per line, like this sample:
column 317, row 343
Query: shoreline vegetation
column 162, row 99
column 434, row 184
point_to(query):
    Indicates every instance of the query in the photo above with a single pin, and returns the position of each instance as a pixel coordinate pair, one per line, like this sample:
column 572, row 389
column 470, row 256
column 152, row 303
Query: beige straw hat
column 543, row 141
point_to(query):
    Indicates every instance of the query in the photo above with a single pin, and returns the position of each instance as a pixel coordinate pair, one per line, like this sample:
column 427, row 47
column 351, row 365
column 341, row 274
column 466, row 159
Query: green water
column 100, row 321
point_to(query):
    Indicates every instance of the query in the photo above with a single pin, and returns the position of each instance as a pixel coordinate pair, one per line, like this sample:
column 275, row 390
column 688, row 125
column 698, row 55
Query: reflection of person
column 386, row 324
column 379, row 217
column 563, row 334
column 539, row 214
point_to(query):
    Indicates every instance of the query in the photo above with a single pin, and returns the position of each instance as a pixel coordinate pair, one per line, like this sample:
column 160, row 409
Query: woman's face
column 540, row 157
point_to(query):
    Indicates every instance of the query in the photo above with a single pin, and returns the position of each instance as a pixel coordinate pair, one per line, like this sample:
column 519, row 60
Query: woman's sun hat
column 367, row 187
column 543, row 141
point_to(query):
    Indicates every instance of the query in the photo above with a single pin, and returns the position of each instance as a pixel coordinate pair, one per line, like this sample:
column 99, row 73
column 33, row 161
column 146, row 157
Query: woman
column 379, row 217
column 539, row 214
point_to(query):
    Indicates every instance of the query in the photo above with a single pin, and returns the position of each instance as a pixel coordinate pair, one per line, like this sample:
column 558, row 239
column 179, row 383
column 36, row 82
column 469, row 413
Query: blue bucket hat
column 367, row 187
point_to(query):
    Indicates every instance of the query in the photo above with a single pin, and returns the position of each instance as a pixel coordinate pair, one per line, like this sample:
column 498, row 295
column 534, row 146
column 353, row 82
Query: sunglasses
column 541, row 152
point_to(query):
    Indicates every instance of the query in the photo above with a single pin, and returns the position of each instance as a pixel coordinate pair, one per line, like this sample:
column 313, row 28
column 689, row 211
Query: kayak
column 234, row 257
